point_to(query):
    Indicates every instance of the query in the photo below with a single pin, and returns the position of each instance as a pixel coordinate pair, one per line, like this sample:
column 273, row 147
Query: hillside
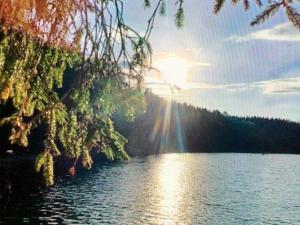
column 169, row 127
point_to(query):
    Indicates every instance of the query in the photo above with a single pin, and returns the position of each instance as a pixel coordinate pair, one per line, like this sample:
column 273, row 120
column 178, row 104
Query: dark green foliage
column 74, row 112
column 179, row 17
column 147, row 3
column 207, row 131
column 161, row 6
column 107, row 59
column 77, row 115
column 162, row 9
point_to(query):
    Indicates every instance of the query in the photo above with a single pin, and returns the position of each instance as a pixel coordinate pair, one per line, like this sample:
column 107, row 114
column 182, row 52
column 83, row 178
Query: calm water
column 172, row 189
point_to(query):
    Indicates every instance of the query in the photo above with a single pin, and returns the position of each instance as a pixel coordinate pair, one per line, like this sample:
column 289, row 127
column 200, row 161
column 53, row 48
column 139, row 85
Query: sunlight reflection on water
column 170, row 172
column 172, row 189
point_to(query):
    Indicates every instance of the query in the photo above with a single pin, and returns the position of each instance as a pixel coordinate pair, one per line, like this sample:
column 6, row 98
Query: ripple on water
column 172, row 189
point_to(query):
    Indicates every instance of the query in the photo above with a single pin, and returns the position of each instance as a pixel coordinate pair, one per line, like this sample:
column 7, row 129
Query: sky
column 231, row 66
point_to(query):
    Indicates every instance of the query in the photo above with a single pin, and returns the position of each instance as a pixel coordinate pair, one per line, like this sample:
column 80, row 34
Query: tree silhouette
column 270, row 10
column 206, row 131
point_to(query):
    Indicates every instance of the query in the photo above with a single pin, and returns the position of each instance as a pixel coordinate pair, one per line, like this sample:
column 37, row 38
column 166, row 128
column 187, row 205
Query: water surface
column 172, row 189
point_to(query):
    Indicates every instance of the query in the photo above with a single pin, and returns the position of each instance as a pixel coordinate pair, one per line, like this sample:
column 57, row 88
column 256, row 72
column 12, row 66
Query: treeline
column 172, row 127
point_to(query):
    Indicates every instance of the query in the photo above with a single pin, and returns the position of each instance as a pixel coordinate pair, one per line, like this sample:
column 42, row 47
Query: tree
column 270, row 10
column 39, row 41
column 205, row 131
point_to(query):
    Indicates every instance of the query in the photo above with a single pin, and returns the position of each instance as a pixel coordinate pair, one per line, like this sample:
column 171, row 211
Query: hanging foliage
column 39, row 41
column 271, row 9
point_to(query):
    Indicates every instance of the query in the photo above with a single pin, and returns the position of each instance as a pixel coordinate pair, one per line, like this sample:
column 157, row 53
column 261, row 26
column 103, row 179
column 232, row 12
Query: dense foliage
column 39, row 42
column 206, row 131
column 77, row 120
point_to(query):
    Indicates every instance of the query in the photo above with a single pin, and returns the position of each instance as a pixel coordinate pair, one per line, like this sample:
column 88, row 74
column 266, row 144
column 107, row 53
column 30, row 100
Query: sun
column 174, row 70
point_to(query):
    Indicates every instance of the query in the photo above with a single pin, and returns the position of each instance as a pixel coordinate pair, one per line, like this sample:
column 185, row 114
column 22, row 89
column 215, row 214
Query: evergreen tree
column 201, row 130
column 270, row 10
column 39, row 42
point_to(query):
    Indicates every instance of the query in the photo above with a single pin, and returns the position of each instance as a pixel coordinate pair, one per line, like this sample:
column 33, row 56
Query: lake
column 171, row 189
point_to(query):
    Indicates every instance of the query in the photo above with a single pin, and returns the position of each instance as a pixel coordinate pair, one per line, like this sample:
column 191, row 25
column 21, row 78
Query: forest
column 74, row 97
column 46, row 109
column 202, row 130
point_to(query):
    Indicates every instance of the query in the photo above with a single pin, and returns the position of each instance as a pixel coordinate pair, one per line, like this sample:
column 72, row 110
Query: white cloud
column 281, row 32
column 278, row 86
column 281, row 86
column 291, row 85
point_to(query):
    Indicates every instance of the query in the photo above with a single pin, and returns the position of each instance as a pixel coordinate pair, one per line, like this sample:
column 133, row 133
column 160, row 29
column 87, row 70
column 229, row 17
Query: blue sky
column 252, row 70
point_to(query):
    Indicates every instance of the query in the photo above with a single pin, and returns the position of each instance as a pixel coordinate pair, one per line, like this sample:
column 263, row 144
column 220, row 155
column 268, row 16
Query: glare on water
column 168, row 189
column 170, row 173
